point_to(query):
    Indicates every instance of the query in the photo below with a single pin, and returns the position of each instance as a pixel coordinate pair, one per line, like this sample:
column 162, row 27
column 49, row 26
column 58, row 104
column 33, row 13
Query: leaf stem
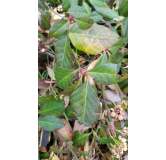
column 67, row 145
column 93, row 141
column 68, row 121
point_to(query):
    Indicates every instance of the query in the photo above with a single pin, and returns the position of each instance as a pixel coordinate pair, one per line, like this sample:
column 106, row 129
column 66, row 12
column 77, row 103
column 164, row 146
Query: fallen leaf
column 42, row 84
column 51, row 73
column 108, row 156
column 65, row 131
column 42, row 149
column 109, row 94
column 66, row 99
column 79, row 127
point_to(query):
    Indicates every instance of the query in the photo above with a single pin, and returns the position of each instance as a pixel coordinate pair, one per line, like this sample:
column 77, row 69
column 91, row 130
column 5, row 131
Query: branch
column 46, row 53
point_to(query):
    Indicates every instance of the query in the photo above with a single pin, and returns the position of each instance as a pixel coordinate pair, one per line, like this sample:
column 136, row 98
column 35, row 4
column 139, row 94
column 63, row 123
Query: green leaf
column 126, row 31
column 54, row 107
column 95, row 16
column 69, row 112
column 64, row 77
column 42, row 5
column 104, row 74
column 42, row 100
column 115, row 58
column 103, row 132
column 123, row 84
column 102, row 60
column 123, row 8
column 77, row 11
column 55, row 149
column 117, row 125
column 73, row 2
column 71, row 89
column 107, row 12
column 93, row 40
column 58, row 28
column 85, row 22
column 79, row 139
column 114, row 49
column 45, row 21
column 104, row 140
column 87, row 8
column 64, row 56
column 44, row 155
column 97, row 3
column 86, row 104
column 50, row 123
column 53, row 2
column 85, row 153
column 65, row 5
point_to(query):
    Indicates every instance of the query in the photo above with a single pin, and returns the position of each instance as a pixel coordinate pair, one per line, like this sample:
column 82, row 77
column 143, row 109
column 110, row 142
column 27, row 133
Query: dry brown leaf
column 39, row 129
column 108, row 156
column 42, row 149
column 79, row 127
column 65, row 131
column 42, row 84
column 66, row 99
column 50, row 73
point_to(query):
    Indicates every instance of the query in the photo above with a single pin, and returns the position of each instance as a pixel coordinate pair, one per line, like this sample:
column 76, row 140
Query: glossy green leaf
column 104, row 140
column 42, row 100
column 102, row 60
column 73, row 2
column 97, row 3
column 107, row 12
column 54, row 107
column 123, row 8
column 93, row 40
column 50, row 123
column 79, row 139
column 85, row 22
column 71, row 89
column 95, row 16
column 104, row 74
column 86, row 104
column 64, row 77
column 58, row 28
column 65, row 5
column 87, row 8
column 69, row 112
column 77, row 11
column 64, row 56
column 45, row 21
column 114, row 49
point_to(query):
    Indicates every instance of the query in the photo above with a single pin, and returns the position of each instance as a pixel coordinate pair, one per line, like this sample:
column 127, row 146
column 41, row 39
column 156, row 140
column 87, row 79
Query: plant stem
column 93, row 142
column 67, row 145
column 68, row 121
column 101, row 152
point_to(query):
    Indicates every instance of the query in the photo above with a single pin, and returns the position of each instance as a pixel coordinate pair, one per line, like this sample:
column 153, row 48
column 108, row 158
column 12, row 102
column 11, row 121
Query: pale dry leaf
column 65, row 131
column 51, row 73
column 42, row 84
column 108, row 156
column 91, row 66
column 53, row 156
column 80, row 127
column 125, row 115
column 111, row 95
column 66, row 99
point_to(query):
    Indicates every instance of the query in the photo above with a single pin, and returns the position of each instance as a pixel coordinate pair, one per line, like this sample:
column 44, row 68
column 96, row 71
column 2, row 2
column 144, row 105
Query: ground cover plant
column 83, row 79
